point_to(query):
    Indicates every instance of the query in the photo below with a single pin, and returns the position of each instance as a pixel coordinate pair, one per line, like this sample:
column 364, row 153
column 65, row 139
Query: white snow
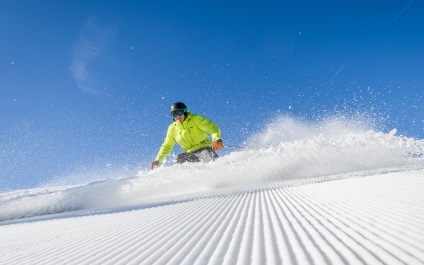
column 335, row 192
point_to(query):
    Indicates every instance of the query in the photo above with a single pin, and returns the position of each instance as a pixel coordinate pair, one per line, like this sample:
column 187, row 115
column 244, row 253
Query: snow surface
column 334, row 192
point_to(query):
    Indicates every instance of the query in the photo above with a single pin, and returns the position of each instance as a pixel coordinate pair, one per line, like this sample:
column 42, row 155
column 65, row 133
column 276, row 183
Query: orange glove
column 154, row 164
column 217, row 145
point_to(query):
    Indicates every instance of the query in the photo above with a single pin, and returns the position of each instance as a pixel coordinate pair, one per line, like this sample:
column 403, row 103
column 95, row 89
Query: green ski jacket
column 191, row 135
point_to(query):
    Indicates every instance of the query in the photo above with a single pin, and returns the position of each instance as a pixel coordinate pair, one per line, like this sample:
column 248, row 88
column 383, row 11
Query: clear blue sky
column 88, row 84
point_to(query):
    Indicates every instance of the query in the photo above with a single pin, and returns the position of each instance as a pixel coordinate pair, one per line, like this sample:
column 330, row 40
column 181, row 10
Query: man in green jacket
column 190, row 131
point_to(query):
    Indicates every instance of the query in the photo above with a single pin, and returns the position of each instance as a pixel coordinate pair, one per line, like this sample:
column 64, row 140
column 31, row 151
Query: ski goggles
column 177, row 113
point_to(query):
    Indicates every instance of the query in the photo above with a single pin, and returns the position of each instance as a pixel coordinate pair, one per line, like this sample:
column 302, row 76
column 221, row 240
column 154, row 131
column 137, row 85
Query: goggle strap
column 184, row 110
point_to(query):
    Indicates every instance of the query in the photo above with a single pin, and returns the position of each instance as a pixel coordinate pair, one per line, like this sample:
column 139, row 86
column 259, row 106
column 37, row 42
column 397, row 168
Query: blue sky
column 87, row 84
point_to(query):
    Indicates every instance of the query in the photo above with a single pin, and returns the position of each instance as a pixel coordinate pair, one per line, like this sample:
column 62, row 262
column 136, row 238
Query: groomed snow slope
column 334, row 192
column 363, row 219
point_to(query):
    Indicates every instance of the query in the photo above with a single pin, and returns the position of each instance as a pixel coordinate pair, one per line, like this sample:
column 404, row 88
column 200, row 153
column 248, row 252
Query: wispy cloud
column 401, row 12
column 96, row 36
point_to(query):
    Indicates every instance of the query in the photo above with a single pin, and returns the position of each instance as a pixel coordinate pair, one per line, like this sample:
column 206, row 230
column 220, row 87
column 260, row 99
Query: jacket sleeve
column 167, row 146
column 208, row 126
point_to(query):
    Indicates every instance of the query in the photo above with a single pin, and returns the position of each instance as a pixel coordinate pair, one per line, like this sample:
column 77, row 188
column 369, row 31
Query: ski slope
column 375, row 219
column 328, row 193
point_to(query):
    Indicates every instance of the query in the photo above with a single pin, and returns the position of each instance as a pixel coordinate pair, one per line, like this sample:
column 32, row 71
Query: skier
column 190, row 131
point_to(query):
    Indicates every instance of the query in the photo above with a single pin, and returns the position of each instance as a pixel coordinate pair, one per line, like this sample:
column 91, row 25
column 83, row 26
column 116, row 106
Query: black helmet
column 178, row 109
column 179, row 106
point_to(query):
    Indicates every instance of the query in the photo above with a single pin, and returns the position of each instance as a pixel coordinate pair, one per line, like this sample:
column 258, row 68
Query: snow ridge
column 332, row 222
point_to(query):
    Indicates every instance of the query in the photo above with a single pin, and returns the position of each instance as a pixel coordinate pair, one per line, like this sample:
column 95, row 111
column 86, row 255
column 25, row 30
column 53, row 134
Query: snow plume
column 288, row 149
column 95, row 38
column 298, row 148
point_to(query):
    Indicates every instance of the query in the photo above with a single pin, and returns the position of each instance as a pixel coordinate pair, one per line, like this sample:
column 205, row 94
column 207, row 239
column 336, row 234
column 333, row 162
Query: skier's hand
column 154, row 164
column 217, row 145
